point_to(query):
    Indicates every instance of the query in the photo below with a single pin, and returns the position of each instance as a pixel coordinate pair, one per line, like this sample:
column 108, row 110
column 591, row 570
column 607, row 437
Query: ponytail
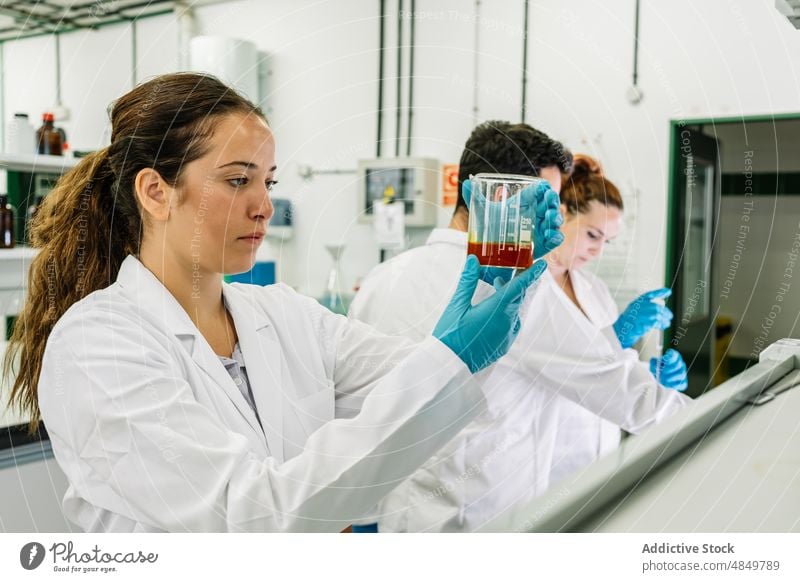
column 92, row 219
column 82, row 244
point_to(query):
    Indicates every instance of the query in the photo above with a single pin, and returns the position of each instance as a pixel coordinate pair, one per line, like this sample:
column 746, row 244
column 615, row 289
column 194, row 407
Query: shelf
column 18, row 253
column 37, row 163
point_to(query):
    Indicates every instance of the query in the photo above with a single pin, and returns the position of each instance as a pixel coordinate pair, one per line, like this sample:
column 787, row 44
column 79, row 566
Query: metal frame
column 46, row 17
column 672, row 168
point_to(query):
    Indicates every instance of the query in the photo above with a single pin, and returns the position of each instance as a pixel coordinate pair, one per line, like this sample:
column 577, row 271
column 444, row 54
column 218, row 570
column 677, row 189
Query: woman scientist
column 176, row 402
column 581, row 303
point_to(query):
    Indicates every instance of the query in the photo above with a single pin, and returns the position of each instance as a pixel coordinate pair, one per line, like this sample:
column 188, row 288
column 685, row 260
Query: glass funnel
column 335, row 298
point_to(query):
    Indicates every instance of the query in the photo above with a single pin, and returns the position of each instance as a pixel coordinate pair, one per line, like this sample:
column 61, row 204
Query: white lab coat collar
column 155, row 303
column 257, row 341
column 448, row 236
column 593, row 314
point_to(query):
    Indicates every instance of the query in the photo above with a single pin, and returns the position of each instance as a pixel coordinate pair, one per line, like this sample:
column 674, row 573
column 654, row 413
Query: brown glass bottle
column 6, row 224
column 48, row 138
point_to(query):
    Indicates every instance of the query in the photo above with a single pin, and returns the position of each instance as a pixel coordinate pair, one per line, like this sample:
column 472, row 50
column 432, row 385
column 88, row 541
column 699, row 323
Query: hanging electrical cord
column 525, row 61
column 382, row 42
column 411, row 50
column 636, row 45
column 58, row 68
column 399, row 108
column 634, row 93
column 134, row 72
column 2, row 93
column 61, row 113
column 476, row 62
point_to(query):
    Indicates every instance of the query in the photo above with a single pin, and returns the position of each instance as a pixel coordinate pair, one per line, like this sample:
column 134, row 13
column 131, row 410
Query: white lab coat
column 506, row 455
column 154, row 435
column 582, row 437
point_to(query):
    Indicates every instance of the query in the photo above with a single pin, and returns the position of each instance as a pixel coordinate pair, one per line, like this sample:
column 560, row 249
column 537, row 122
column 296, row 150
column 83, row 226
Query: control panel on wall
column 414, row 182
column 280, row 225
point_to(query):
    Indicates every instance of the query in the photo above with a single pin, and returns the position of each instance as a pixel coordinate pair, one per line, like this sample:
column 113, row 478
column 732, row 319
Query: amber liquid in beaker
column 505, row 255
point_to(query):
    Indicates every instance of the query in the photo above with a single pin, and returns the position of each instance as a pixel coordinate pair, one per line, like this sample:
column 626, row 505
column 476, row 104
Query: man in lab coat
column 504, row 457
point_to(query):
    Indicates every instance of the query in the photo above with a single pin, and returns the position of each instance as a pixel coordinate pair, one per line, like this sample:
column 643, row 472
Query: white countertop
column 742, row 477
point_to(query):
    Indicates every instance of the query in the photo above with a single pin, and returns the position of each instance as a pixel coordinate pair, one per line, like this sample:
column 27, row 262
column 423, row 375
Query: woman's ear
column 564, row 212
column 154, row 194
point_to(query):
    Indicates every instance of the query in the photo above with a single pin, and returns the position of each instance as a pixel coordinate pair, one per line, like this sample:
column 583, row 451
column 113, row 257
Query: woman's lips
column 252, row 238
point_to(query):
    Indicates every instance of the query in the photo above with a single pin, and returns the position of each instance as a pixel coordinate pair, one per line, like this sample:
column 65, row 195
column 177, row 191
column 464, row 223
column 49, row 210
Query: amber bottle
column 48, row 137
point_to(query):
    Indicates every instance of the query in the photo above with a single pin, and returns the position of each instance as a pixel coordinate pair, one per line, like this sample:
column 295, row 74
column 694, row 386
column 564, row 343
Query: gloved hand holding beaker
column 480, row 334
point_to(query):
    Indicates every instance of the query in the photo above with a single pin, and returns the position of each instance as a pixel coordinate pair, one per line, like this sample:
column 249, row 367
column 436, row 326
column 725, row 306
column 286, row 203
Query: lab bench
column 729, row 463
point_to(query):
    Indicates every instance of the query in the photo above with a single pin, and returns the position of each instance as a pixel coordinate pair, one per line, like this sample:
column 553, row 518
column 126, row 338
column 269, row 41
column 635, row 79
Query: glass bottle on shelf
column 48, row 138
column 65, row 151
column 6, row 223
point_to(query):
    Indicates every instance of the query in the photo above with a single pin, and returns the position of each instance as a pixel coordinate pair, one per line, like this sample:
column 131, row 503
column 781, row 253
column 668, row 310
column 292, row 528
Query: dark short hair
column 509, row 148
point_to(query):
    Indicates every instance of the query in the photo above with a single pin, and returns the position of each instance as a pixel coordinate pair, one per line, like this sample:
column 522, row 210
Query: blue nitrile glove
column 481, row 334
column 642, row 315
column 673, row 373
column 548, row 220
column 546, row 235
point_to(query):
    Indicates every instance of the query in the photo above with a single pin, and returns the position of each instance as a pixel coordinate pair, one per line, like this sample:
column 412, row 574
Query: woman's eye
column 238, row 182
column 271, row 184
column 593, row 236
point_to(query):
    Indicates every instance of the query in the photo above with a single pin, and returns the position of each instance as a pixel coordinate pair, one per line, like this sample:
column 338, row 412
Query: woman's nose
column 264, row 209
column 268, row 208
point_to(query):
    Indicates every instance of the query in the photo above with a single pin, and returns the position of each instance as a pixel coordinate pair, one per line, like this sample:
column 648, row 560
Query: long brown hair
column 587, row 182
column 91, row 220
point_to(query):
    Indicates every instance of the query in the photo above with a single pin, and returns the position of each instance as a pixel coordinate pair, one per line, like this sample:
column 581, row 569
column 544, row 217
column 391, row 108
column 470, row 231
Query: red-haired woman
column 582, row 304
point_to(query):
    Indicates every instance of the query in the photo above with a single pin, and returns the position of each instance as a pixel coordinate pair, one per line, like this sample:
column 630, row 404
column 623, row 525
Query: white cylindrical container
column 20, row 135
column 234, row 61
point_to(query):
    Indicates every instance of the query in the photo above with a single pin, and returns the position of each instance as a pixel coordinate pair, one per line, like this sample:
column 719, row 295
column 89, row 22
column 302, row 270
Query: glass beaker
column 501, row 223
